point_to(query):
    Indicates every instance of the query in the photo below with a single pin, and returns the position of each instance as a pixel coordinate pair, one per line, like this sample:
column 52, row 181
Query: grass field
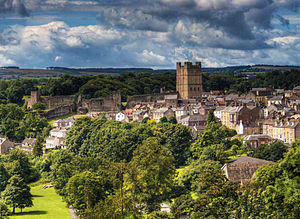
column 46, row 205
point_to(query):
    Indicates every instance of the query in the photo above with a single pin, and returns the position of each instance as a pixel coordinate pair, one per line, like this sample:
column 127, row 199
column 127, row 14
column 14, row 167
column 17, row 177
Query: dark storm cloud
column 17, row 6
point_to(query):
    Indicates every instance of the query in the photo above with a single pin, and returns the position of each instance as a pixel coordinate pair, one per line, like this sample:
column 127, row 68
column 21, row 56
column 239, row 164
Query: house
column 171, row 100
column 196, row 122
column 241, row 117
column 260, row 95
column 120, row 117
column 279, row 100
column 64, row 123
column 5, row 145
column 54, row 142
column 27, row 144
column 296, row 90
column 286, row 130
column 258, row 139
column 243, row 168
column 217, row 112
column 162, row 112
column 56, row 138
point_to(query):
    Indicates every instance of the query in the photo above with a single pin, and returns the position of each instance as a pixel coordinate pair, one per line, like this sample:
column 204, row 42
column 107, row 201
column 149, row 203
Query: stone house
column 241, row 117
column 5, row 145
column 279, row 100
column 56, row 138
column 196, row 122
column 64, row 123
column 27, row 144
column 260, row 95
column 162, row 112
column 242, row 169
column 286, row 130
column 258, row 139
column 120, row 117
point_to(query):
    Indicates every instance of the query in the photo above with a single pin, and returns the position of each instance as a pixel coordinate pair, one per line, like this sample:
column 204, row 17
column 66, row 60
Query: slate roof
column 242, row 169
column 29, row 141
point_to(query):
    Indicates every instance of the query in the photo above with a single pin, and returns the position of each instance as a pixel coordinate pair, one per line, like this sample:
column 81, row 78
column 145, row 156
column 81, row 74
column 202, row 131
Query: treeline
column 242, row 83
column 140, row 83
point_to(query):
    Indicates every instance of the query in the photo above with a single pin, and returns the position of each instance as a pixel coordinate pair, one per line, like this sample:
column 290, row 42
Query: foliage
column 84, row 190
column 3, row 177
column 177, row 138
column 37, row 150
column 38, row 106
column 150, row 175
column 183, row 206
column 18, row 163
column 213, row 143
column 4, row 211
column 273, row 151
column 17, row 193
column 159, row 215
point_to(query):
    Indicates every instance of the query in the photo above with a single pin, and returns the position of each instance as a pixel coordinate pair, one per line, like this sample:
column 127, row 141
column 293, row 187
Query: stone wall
column 62, row 105
column 109, row 103
column 59, row 111
column 146, row 98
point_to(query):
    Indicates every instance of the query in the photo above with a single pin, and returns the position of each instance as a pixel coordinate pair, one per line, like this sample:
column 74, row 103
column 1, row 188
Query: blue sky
column 148, row 33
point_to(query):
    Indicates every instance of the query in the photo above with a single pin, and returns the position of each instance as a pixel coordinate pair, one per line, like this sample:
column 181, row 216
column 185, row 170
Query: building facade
column 189, row 80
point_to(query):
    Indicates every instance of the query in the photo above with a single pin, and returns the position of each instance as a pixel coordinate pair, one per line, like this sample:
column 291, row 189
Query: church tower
column 189, row 80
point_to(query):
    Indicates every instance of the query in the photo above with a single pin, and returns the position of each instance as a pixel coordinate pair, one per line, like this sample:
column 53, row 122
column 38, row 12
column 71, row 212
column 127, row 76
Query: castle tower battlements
column 189, row 80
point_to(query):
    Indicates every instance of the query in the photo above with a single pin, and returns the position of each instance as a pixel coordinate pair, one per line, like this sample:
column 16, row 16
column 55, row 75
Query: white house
column 120, row 116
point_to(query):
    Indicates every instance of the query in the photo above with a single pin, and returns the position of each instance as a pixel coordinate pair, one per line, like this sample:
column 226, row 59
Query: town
column 233, row 136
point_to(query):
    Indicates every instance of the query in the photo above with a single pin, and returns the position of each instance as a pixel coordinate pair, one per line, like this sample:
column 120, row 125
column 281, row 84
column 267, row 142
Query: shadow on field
column 32, row 213
column 37, row 196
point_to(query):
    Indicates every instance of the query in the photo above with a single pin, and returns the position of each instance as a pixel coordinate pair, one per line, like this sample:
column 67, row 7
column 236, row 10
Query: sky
column 148, row 33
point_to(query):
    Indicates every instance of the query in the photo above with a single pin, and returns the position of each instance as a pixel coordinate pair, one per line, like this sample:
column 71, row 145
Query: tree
column 273, row 151
column 38, row 106
column 17, row 193
column 17, row 163
column 173, row 120
column 163, row 120
column 3, row 177
column 84, row 190
column 177, row 138
column 211, row 117
column 4, row 211
column 37, row 150
column 150, row 175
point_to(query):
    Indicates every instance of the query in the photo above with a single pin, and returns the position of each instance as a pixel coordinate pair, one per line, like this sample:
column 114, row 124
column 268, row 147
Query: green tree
column 163, row 120
column 4, row 211
column 273, row 151
column 211, row 117
column 17, row 193
column 173, row 120
column 3, row 177
column 84, row 190
column 150, row 175
column 39, row 106
column 177, row 138
column 37, row 150
column 18, row 163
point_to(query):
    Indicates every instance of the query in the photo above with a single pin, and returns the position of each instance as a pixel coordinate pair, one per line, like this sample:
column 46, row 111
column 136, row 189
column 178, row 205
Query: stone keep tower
column 189, row 80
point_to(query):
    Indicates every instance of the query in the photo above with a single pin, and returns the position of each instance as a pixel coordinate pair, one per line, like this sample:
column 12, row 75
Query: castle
column 62, row 105
column 189, row 80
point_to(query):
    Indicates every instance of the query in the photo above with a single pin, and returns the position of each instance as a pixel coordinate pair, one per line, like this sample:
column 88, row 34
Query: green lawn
column 46, row 205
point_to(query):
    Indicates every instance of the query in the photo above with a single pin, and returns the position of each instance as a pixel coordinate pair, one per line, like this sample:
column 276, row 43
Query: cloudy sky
column 148, row 33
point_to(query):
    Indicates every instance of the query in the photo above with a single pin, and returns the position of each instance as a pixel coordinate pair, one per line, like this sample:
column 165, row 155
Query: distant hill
column 14, row 72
